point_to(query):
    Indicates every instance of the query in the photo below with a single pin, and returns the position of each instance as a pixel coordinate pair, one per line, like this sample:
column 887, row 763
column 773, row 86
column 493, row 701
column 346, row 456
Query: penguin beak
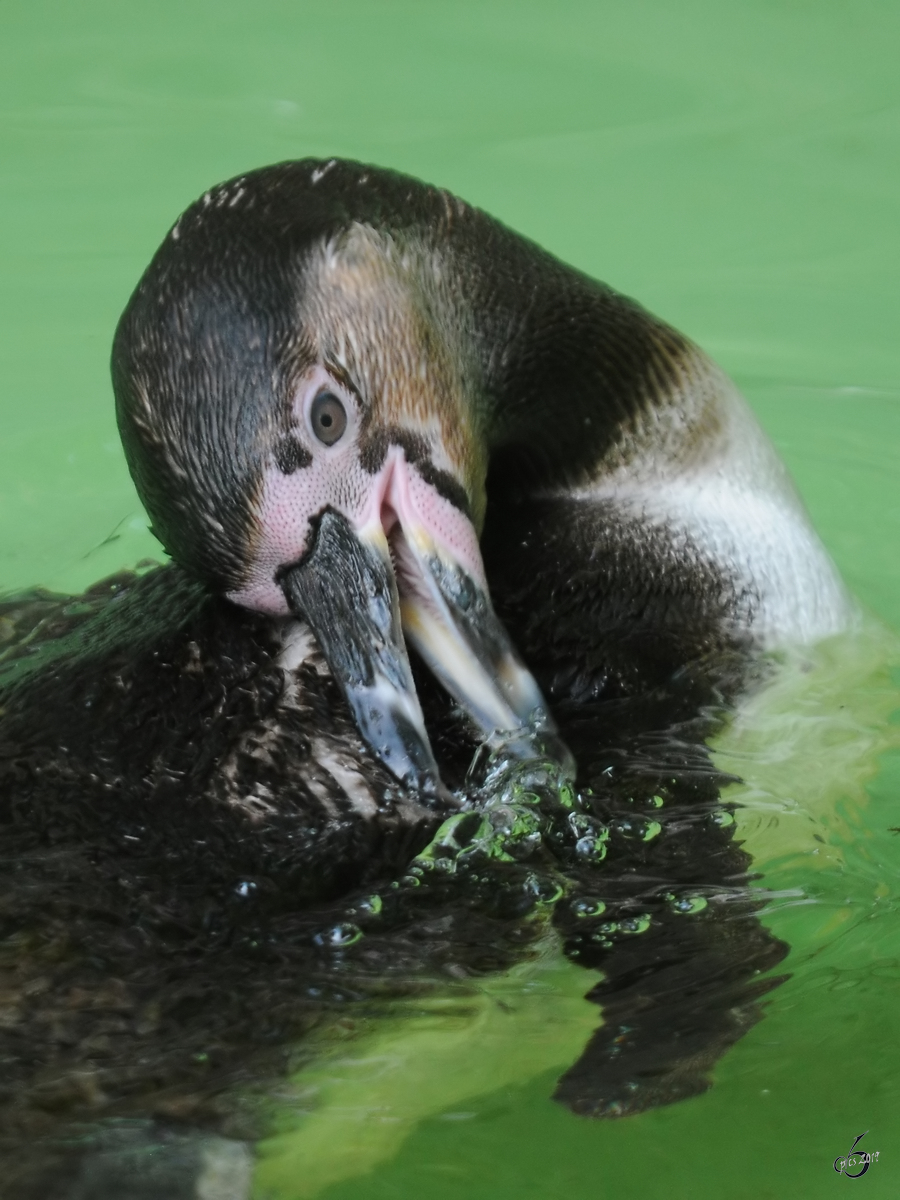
column 448, row 617
column 346, row 590
column 363, row 585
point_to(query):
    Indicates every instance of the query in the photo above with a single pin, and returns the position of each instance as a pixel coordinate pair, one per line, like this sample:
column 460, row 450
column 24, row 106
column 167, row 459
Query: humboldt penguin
column 365, row 416
column 331, row 374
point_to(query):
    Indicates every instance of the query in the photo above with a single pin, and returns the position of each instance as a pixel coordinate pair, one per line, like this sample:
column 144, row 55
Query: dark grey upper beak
column 345, row 589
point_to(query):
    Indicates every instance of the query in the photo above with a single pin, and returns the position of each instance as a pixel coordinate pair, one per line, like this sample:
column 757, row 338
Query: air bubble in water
column 637, row 924
column 686, row 905
column 339, row 936
column 591, row 847
column 545, row 889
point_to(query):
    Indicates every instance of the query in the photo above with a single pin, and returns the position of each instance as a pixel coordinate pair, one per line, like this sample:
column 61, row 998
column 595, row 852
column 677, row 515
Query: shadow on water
column 194, row 959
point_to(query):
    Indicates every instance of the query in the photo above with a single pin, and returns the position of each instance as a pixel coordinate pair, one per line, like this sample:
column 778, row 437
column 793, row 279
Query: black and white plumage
column 469, row 369
column 353, row 405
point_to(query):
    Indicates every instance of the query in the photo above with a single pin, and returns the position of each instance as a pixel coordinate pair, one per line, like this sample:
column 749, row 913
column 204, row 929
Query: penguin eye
column 328, row 418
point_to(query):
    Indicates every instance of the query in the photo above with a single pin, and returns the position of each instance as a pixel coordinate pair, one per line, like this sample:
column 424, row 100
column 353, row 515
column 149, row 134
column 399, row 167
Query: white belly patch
column 735, row 505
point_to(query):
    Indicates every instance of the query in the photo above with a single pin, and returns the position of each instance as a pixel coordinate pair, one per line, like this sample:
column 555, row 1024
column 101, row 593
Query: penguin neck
column 568, row 366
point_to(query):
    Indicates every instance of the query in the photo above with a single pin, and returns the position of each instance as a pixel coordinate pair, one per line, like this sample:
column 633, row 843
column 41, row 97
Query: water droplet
column 371, row 906
column 655, row 802
column 637, row 924
column 508, row 832
column 722, row 819
column 566, row 795
column 591, row 836
column 539, row 774
column 652, row 829
column 515, row 795
column 687, row 905
column 601, row 938
column 592, row 848
column 588, row 906
column 547, row 890
column 502, row 818
column 339, row 936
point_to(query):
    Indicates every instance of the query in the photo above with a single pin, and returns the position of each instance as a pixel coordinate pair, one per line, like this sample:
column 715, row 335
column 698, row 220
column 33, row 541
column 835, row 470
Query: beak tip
column 535, row 738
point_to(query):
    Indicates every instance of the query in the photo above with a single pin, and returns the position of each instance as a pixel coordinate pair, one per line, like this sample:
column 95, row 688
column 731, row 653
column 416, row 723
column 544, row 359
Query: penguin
column 331, row 375
column 425, row 489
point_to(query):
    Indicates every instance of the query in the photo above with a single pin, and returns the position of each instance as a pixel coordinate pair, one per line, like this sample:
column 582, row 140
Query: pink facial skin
column 336, row 479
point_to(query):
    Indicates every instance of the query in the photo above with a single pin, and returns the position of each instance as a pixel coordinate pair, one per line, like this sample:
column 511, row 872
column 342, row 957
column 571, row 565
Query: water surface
column 736, row 169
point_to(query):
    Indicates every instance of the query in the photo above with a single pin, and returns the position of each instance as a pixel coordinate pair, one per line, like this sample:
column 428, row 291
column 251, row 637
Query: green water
column 735, row 166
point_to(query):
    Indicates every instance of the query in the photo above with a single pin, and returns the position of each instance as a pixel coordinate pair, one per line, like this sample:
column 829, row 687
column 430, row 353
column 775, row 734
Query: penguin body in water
column 363, row 414
column 196, row 895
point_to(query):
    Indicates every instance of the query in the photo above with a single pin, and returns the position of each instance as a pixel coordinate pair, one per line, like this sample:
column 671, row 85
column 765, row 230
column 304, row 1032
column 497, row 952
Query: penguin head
column 301, row 399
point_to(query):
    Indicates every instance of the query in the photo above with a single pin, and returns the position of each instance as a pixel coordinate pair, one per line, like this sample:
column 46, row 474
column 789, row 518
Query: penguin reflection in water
column 362, row 416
